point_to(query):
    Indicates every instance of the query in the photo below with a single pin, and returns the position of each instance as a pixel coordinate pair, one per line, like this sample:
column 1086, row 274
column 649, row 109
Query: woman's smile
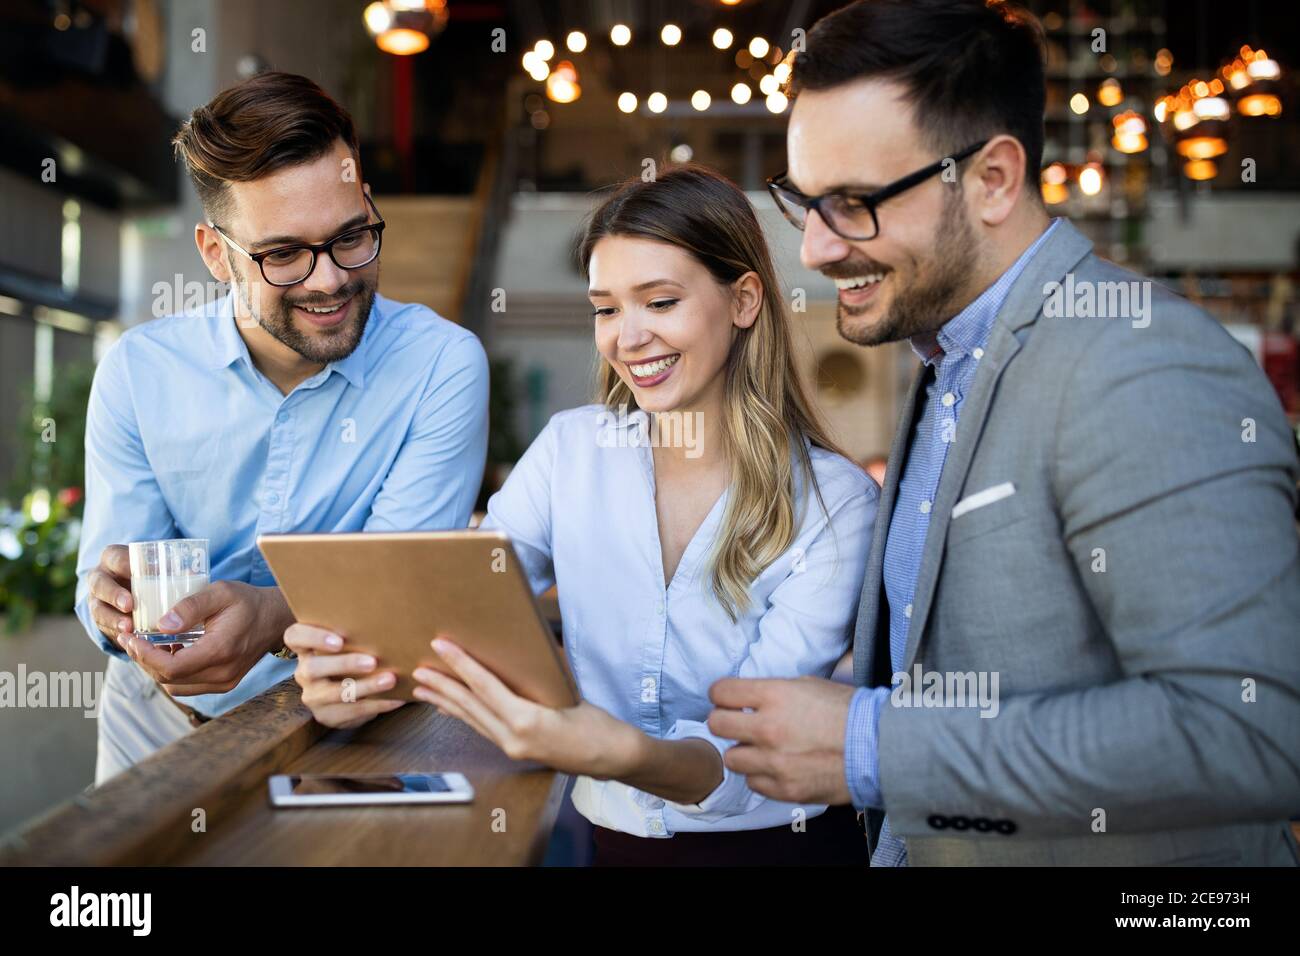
column 650, row 372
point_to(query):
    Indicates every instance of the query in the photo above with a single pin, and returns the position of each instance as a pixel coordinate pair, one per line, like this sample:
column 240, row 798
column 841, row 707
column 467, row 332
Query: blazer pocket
column 982, row 519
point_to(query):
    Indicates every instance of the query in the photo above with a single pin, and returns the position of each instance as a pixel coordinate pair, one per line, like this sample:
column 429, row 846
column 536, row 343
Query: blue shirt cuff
column 861, row 753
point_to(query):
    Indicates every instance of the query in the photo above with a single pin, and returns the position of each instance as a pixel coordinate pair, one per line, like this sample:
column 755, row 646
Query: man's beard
column 331, row 345
column 936, row 291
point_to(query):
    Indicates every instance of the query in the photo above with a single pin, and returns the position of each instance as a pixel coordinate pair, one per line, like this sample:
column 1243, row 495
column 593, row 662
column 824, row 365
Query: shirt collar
column 228, row 345
column 969, row 329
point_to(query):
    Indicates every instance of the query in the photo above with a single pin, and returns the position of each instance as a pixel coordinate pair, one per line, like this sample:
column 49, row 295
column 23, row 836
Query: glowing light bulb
column 1090, row 180
column 378, row 18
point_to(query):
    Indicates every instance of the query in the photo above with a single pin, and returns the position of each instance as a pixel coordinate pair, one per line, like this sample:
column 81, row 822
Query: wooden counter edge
column 144, row 815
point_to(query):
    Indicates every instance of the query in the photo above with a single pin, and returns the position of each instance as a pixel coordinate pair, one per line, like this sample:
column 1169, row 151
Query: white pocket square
column 983, row 498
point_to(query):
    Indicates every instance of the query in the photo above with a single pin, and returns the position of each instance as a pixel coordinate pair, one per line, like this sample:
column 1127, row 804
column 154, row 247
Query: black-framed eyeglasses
column 852, row 215
column 289, row 265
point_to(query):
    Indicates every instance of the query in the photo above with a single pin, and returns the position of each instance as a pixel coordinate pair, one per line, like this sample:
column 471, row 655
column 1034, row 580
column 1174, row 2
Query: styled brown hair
column 256, row 127
column 971, row 68
column 767, row 414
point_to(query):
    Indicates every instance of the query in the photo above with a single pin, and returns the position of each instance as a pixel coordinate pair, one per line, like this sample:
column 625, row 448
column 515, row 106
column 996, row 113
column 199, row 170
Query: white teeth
column 858, row 282
column 653, row 368
column 320, row 311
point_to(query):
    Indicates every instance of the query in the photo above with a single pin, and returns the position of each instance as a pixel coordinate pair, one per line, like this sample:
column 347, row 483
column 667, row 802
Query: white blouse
column 580, row 510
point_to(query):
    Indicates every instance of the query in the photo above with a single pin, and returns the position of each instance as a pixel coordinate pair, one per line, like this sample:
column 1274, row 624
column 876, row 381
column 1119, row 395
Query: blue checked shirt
column 185, row 438
column 952, row 357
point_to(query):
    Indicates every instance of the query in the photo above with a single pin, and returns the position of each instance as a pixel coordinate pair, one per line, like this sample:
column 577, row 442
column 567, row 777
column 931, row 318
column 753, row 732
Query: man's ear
column 999, row 179
column 747, row 292
column 213, row 250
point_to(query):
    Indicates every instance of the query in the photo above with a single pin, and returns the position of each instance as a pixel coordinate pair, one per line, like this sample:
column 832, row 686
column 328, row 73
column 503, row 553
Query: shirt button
column 272, row 498
column 907, row 611
column 925, row 507
column 656, row 826
column 282, row 417
column 949, row 398
column 978, row 353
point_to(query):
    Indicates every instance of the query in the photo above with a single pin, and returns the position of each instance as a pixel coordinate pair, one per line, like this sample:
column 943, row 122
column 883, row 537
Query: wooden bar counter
column 203, row 800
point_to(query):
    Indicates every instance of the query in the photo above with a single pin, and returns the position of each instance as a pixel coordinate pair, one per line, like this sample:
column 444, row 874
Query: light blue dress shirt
column 952, row 356
column 580, row 510
column 185, row 438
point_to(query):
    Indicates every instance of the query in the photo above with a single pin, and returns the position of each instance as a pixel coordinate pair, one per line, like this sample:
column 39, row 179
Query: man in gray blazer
column 1079, row 633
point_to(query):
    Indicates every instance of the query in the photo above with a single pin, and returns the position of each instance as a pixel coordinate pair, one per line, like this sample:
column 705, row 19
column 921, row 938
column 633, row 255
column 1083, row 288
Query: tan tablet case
column 390, row 594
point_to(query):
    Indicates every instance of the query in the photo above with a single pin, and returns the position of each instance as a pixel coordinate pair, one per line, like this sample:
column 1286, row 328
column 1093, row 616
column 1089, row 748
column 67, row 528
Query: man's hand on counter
column 242, row 623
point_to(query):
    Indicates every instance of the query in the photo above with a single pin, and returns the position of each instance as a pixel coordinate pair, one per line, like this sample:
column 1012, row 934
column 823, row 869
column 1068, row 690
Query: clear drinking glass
column 162, row 573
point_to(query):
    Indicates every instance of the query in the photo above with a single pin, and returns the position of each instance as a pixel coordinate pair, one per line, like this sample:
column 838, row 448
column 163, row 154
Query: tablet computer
column 390, row 594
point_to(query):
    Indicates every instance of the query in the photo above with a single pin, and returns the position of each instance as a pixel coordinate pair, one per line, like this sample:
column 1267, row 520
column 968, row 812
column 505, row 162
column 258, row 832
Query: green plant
column 39, row 538
column 52, row 434
column 38, row 556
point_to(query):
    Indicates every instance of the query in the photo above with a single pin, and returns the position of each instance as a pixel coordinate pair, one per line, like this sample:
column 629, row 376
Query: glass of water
column 162, row 573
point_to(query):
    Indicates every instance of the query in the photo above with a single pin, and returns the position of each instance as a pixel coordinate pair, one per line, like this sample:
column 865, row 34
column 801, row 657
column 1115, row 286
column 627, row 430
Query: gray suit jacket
column 1137, row 597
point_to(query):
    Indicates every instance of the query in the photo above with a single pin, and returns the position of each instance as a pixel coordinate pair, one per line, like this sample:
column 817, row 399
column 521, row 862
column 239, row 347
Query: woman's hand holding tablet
column 582, row 739
column 335, row 685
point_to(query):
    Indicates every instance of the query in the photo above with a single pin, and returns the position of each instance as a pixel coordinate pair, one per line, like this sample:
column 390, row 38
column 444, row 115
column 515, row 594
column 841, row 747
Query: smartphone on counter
column 334, row 790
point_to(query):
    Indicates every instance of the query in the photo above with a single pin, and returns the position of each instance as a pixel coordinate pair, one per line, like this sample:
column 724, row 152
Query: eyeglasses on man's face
column 852, row 216
column 289, row 265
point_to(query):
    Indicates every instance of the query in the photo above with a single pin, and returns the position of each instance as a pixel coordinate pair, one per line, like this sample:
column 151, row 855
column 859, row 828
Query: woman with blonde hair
column 699, row 522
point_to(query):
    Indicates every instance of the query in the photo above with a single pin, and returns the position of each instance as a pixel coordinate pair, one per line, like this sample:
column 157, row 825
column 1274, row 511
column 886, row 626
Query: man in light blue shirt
column 302, row 401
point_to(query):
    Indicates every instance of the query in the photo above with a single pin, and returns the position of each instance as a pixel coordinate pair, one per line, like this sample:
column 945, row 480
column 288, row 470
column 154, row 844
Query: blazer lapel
column 864, row 634
column 1060, row 253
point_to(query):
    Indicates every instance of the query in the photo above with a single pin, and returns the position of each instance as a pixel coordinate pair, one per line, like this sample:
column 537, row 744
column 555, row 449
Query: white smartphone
column 333, row 790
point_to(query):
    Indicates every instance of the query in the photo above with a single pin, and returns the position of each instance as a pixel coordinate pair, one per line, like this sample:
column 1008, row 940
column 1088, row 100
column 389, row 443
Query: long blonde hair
column 766, row 411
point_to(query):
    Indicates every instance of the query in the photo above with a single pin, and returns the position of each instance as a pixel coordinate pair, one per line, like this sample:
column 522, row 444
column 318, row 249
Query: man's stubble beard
column 936, row 291
column 334, row 344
